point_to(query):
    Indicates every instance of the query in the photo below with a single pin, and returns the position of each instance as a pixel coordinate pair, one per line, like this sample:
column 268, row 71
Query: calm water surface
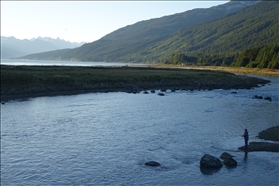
column 105, row 138
column 63, row 63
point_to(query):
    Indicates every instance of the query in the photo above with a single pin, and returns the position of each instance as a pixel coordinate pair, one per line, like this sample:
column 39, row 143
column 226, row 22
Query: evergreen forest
column 266, row 56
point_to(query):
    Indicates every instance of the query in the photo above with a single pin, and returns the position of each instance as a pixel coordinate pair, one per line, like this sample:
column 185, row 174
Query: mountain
column 134, row 43
column 12, row 47
column 253, row 26
column 60, row 43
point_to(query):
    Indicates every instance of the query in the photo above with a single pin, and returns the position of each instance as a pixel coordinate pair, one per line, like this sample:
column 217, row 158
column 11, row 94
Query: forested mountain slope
column 136, row 43
column 253, row 26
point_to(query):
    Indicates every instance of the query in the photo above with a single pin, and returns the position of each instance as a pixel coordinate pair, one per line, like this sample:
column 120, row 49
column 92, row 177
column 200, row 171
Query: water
column 105, row 138
column 63, row 63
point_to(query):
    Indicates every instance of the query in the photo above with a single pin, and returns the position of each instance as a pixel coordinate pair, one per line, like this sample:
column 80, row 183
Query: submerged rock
column 257, row 97
column 261, row 146
column 230, row 162
column 153, row 164
column 210, row 161
column 268, row 98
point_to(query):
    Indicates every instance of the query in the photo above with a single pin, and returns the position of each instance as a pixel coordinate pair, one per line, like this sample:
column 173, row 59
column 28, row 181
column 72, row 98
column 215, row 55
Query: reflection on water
column 209, row 171
column 245, row 156
column 105, row 139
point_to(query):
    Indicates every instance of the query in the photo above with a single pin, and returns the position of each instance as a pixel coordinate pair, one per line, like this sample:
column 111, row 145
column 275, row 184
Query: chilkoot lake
column 106, row 138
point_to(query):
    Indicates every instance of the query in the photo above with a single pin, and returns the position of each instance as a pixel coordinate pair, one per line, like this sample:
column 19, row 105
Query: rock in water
column 268, row 98
column 230, row 162
column 210, row 161
column 225, row 155
column 153, row 164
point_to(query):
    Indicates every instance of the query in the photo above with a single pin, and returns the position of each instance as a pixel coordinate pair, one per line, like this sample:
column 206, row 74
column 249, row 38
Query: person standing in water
column 246, row 138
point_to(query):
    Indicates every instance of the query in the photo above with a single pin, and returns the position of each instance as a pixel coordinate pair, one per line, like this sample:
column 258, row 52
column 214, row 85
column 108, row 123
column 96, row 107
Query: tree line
column 266, row 56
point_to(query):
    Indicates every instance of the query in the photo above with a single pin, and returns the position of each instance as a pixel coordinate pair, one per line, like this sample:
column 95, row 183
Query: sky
column 84, row 21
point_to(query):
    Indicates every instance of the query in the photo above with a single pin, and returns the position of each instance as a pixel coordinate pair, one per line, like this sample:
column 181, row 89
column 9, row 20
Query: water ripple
column 105, row 139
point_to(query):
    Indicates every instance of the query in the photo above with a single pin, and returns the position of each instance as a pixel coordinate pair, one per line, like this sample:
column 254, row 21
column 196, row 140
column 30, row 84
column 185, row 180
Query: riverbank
column 271, row 134
column 19, row 82
column 236, row 70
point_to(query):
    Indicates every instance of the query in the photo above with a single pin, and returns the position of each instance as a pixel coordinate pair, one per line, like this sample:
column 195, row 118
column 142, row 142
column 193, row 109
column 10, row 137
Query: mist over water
column 105, row 138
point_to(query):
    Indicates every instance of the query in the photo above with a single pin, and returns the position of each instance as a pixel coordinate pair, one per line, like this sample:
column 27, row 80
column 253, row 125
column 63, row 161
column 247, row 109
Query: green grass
column 36, row 79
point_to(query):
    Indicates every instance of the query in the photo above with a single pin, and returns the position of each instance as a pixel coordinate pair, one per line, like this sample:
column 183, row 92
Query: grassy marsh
column 27, row 81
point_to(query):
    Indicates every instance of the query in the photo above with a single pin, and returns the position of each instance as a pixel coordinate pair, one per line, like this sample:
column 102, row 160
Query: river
column 106, row 138
column 64, row 63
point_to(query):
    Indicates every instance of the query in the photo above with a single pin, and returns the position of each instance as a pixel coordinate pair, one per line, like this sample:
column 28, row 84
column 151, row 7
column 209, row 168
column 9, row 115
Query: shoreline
column 22, row 82
column 236, row 70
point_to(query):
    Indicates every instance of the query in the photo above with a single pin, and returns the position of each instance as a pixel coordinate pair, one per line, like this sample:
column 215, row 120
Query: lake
column 106, row 138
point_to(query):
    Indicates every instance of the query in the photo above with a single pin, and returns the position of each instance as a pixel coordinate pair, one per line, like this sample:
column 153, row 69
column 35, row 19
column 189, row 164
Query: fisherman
column 246, row 138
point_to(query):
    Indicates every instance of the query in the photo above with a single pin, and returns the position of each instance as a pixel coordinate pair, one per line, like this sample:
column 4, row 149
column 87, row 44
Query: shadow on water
column 245, row 164
column 209, row 171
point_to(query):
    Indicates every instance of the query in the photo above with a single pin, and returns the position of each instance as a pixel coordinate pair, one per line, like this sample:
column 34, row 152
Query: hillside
column 134, row 43
column 12, row 47
column 253, row 26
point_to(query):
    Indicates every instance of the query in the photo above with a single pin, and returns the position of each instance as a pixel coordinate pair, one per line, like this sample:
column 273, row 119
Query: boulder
column 226, row 155
column 268, row 98
column 230, row 162
column 152, row 91
column 257, row 97
column 153, row 164
column 210, row 161
column 161, row 94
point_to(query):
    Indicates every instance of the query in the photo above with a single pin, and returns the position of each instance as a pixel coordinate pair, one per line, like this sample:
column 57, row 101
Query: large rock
column 210, row 161
column 261, row 146
column 230, row 162
column 226, row 155
column 153, row 164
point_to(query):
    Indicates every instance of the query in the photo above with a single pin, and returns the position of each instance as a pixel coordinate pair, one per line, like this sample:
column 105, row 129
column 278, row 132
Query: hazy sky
column 83, row 21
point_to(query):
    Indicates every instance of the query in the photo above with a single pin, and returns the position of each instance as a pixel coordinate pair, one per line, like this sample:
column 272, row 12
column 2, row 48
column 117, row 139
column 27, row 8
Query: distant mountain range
column 12, row 47
column 228, row 28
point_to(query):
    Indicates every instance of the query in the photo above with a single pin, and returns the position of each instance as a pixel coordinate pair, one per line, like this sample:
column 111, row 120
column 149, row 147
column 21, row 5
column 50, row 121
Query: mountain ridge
column 12, row 47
